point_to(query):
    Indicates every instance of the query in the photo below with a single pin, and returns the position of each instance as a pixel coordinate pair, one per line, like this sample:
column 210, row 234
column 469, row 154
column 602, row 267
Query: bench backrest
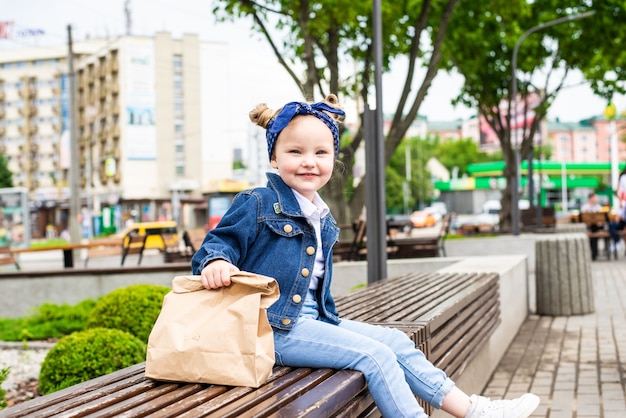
column 594, row 218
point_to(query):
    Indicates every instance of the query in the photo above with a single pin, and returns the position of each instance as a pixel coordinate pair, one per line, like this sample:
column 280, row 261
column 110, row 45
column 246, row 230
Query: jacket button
column 305, row 272
column 297, row 298
column 286, row 321
column 287, row 228
column 310, row 250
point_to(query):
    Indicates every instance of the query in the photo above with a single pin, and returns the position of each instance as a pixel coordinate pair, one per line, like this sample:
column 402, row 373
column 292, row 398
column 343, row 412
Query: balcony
column 113, row 65
column 28, row 130
column 28, row 92
column 28, row 111
column 114, row 87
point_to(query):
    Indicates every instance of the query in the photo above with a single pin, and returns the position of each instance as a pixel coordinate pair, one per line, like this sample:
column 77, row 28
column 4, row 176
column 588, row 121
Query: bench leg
column 68, row 258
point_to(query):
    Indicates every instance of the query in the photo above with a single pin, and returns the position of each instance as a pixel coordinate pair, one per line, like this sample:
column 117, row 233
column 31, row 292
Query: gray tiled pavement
column 576, row 364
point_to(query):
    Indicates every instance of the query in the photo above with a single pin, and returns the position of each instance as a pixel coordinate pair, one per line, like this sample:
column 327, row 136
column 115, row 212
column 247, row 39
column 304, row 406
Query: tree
column 481, row 50
column 322, row 37
column 419, row 189
column 461, row 153
column 6, row 176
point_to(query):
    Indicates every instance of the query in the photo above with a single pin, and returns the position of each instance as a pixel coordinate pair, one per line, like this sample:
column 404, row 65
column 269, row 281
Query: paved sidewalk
column 576, row 364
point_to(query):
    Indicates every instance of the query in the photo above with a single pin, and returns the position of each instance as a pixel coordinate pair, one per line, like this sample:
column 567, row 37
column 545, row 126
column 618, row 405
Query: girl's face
column 304, row 155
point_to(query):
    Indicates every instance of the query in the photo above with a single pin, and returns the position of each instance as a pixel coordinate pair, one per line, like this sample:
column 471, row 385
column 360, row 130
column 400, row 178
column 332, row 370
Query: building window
column 177, row 62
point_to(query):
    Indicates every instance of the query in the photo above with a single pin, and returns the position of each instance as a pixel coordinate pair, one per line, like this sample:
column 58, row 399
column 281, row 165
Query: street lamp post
column 515, row 215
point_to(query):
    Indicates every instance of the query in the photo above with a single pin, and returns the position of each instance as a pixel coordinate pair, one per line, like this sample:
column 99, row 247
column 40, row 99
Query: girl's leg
column 425, row 380
column 314, row 343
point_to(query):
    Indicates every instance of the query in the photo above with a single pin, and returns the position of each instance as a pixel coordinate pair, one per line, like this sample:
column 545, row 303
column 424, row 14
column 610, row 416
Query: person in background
column 286, row 231
column 593, row 205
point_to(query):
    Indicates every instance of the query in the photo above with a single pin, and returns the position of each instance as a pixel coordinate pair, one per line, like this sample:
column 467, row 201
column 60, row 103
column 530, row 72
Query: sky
column 101, row 18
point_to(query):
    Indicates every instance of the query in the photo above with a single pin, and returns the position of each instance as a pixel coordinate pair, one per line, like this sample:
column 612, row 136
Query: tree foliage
column 482, row 51
column 6, row 176
column 454, row 155
column 325, row 46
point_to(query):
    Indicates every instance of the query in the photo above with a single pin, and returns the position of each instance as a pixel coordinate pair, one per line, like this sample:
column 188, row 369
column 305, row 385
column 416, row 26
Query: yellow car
column 159, row 234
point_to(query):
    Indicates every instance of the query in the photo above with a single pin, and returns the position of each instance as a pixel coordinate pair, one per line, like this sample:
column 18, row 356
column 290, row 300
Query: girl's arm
column 228, row 242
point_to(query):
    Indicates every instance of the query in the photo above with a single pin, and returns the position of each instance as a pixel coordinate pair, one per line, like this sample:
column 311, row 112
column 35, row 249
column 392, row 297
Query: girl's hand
column 217, row 274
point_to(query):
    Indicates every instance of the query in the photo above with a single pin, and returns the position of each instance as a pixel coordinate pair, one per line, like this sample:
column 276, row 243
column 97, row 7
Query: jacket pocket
column 285, row 228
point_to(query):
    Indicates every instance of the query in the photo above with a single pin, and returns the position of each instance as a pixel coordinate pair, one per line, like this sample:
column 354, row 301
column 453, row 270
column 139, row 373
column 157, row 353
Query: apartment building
column 147, row 126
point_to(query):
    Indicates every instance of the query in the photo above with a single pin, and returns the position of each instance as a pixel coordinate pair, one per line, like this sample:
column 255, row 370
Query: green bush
column 133, row 309
column 48, row 320
column 4, row 373
column 88, row 354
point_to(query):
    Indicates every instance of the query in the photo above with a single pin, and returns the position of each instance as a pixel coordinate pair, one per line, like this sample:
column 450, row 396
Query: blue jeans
column 395, row 371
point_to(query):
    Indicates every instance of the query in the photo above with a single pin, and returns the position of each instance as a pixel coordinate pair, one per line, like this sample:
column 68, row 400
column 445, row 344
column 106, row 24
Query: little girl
column 285, row 231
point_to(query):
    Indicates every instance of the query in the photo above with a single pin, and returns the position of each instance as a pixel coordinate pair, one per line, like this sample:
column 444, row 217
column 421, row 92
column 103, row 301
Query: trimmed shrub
column 4, row 373
column 85, row 355
column 133, row 309
column 48, row 320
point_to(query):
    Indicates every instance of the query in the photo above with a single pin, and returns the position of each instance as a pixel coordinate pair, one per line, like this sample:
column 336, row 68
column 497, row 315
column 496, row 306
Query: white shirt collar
column 310, row 207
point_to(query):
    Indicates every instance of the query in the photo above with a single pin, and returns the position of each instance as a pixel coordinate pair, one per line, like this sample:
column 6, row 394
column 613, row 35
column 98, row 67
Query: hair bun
column 261, row 115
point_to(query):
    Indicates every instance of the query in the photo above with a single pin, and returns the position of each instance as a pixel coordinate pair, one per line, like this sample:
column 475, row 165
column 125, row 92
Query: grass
column 47, row 243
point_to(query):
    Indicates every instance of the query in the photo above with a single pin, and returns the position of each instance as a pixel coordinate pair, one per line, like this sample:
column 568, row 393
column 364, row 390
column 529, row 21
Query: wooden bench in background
column 447, row 315
column 528, row 218
column 598, row 228
column 417, row 247
column 133, row 243
column 192, row 240
column 7, row 257
column 351, row 250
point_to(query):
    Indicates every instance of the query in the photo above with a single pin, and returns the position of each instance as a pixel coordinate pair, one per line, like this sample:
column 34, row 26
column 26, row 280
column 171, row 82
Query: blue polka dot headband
column 293, row 109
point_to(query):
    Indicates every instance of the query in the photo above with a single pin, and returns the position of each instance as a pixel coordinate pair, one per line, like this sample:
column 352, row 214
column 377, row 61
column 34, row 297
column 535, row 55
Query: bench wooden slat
column 146, row 403
column 176, row 408
column 258, row 405
column 362, row 406
column 93, row 388
column 454, row 362
column 327, row 397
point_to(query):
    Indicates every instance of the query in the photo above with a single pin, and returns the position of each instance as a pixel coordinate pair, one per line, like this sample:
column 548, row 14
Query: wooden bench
column 528, row 218
column 7, row 257
column 416, row 247
column 448, row 316
column 133, row 243
column 598, row 228
column 192, row 240
column 350, row 250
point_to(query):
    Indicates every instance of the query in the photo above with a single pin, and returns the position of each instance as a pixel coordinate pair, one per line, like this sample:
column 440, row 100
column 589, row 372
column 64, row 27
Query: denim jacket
column 265, row 232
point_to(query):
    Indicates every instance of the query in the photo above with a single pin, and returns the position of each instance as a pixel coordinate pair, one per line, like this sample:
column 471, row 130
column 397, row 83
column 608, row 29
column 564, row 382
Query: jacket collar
column 287, row 202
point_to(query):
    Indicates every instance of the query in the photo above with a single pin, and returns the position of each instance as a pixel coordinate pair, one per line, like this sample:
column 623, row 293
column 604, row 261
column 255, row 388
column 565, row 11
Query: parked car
column 423, row 219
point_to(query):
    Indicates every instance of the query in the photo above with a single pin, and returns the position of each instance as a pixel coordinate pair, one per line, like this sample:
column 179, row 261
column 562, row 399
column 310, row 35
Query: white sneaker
column 521, row 407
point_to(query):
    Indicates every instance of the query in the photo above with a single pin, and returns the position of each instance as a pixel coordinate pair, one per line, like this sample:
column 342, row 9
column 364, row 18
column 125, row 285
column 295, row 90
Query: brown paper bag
column 217, row 336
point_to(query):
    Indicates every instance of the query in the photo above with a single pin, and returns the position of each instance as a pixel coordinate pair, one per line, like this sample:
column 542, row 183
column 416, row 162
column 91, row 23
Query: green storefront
column 581, row 176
